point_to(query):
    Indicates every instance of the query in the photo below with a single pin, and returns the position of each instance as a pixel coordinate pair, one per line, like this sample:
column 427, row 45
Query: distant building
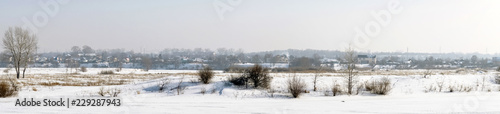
column 367, row 59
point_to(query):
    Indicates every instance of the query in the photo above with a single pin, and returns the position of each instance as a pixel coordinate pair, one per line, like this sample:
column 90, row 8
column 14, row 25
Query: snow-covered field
column 411, row 93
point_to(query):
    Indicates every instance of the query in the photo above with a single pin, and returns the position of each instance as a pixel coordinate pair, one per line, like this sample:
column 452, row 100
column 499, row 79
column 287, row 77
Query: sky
column 434, row 26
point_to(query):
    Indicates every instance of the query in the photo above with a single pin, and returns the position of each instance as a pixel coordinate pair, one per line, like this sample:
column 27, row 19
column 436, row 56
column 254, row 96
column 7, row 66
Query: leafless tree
column 351, row 73
column 296, row 86
column 20, row 44
column 29, row 54
column 316, row 75
column 147, row 63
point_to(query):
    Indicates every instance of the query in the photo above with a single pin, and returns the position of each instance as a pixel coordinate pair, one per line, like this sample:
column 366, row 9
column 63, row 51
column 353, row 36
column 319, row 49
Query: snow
column 407, row 96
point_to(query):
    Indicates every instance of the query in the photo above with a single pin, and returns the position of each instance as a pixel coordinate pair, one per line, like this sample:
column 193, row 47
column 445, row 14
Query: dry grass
column 85, row 80
column 6, row 89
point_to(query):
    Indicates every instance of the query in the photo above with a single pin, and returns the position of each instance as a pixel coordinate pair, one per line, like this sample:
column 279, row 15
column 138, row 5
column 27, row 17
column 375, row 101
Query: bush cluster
column 336, row 90
column 107, row 72
column 8, row 88
column 257, row 76
column 206, row 74
column 111, row 92
column 381, row 87
column 238, row 80
column 83, row 69
column 296, row 86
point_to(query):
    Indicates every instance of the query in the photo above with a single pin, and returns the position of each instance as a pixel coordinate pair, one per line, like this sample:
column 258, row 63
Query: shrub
column 440, row 85
column 238, row 80
column 118, row 69
column 194, row 80
column 498, row 68
column 111, row 92
column 180, row 87
column 296, row 86
column 427, row 73
column 497, row 79
column 214, row 89
column 461, row 88
column 6, row 89
column 430, row 89
column 206, row 74
column 102, row 92
column 336, row 90
column 381, row 87
column 83, row 69
column 203, row 90
column 107, row 72
column 452, row 89
column 259, row 76
column 369, row 86
column 271, row 91
column 359, row 88
column 115, row 92
column 163, row 84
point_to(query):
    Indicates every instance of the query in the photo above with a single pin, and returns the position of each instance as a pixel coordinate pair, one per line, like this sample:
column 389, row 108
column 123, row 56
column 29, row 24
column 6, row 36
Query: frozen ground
column 410, row 94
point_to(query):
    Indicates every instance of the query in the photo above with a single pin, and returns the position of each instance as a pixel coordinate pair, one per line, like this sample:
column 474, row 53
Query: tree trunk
column 24, row 70
column 17, row 75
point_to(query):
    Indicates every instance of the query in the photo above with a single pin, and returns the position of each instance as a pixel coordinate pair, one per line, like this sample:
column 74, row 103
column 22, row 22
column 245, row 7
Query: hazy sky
column 260, row 25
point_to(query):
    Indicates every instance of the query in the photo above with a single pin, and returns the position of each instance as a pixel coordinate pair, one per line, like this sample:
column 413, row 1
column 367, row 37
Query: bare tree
column 20, row 44
column 29, row 54
column 147, row 63
column 351, row 74
column 316, row 75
